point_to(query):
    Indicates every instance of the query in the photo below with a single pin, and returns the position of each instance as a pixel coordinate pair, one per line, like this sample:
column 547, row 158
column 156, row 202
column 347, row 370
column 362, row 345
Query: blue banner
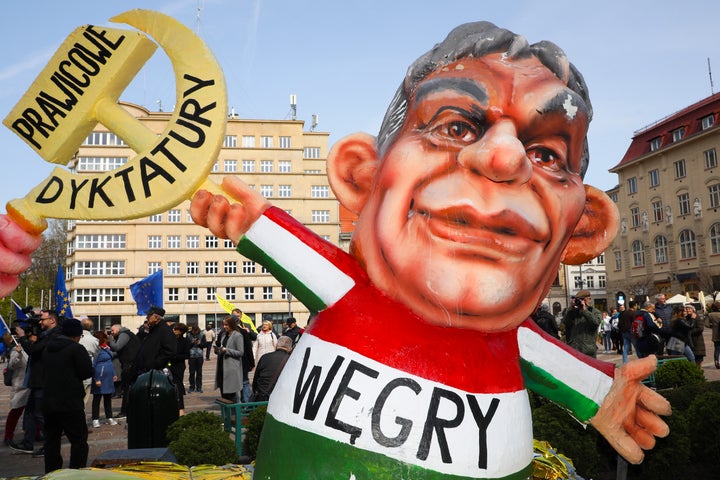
column 62, row 299
column 148, row 292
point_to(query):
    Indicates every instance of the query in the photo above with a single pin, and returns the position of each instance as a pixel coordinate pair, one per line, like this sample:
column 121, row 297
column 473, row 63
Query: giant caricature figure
column 468, row 201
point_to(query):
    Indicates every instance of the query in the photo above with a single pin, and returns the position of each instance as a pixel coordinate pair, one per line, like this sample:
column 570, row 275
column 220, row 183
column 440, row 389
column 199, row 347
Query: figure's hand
column 628, row 417
column 16, row 245
column 227, row 220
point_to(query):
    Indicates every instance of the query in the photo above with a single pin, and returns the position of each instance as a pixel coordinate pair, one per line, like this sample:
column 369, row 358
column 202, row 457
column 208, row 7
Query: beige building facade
column 669, row 201
column 278, row 158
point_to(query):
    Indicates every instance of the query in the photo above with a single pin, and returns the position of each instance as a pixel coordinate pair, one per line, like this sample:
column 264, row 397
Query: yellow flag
column 229, row 307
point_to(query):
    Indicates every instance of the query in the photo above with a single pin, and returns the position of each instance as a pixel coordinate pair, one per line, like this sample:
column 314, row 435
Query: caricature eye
column 452, row 128
column 546, row 158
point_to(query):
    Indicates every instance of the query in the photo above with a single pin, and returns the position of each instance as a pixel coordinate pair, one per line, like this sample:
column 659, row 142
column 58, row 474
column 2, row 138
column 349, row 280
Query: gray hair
column 478, row 39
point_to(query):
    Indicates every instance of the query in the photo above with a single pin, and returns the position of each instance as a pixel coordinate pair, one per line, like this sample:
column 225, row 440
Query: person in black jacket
column 268, row 369
column 34, row 346
column 546, row 320
column 126, row 344
column 177, row 362
column 66, row 366
column 157, row 343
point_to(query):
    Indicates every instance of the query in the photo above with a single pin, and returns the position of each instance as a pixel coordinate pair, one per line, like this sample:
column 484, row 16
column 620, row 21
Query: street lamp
column 289, row 297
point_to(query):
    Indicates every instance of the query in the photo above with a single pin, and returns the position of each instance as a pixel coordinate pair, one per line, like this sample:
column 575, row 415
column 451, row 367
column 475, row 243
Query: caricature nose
column 498, row 155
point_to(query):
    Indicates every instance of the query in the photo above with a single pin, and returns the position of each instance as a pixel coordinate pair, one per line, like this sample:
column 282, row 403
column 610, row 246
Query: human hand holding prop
column 629, row 416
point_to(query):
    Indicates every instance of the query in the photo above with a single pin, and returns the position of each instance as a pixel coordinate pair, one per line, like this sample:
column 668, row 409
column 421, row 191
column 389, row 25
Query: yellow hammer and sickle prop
column 79, row 88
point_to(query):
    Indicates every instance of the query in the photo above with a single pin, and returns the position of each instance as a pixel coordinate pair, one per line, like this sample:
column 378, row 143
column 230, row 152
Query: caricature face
column 476, row 199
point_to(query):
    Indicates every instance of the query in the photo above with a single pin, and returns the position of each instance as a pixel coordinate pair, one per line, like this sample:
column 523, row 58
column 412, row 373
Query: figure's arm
column 16, row 246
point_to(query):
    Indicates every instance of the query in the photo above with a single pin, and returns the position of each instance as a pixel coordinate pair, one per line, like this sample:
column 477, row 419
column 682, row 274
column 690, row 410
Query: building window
column 227, row 243
column 684, row 204
column 192, row 294
column 104, row 138
column 657, row 210
column 311, row 152
column 632, row 185
column 655, row 143
column 266, row 191
column 654, row 177
column 188, row 216
column 264, row 269
column 715, row 239
column 284, row 166
column 714, row 192
column 618, row 260
column 99, row 268
column 154, row 267
column 192, row 268
column 267, row 293
column 230, row 141
column 320, row 191
column 173, row 294
column 680, row 169
column 154, row 241
column 248, row 141
column 284, row 142
column 249, row 293
column 687, row 245
column 600, row 259
column 266, row 142
column 678, row 134
column 230, row 293
column 157, row 218
column 707, row 122
column 710, row 158
column 215, row 168
column 211, row 268
column 100, row 164
column 266, row 166
column 192, row 241
column 210, row 295
column 661, row 249
column 230, row 166
column 100, row 242
column 173, row 268
column 602, row 282
column 174, row 216
column 248, row 267
column 248, row 166
column 578, row 282
column 321, row 216
column 211, row 241
column 284, row 191
column 638, row 252
column 173, row 241
column 230, row 267
column 635, row 217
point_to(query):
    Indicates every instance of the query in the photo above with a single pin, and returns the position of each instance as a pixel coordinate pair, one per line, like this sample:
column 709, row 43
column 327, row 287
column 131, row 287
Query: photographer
column 34, row 340
column 581, row 323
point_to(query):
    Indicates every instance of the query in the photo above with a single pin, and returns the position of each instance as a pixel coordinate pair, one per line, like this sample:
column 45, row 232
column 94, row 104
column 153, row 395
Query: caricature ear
column 596, row 229
column 351, row 166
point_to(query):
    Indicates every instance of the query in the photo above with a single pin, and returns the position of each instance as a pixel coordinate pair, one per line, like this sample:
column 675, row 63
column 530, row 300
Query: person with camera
column 34, row 340
column 581, row 323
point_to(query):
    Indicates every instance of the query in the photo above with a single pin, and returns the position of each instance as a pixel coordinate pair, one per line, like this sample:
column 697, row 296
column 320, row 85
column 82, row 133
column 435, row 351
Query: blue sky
column 642, row 59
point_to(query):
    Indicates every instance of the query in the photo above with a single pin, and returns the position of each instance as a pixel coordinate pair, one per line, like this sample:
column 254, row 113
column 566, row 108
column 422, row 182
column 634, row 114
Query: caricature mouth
column 497, row 235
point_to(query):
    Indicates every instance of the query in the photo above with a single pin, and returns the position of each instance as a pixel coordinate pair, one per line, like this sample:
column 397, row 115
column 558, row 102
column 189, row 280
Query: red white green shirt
column 372, row 390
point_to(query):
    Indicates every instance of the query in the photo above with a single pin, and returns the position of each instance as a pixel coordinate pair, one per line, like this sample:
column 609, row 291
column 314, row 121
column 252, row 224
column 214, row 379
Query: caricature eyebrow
column 563, row 103
column 461, row 85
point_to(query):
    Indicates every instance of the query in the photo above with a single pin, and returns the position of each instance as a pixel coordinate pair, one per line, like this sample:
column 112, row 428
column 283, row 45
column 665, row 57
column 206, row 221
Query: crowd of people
column 56, row 364
column 645, row 328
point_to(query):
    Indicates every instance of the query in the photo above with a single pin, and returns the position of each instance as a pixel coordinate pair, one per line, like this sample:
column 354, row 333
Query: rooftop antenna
column 197, row 16
column 159, row 102
column 315, row 121
column 712, row 89
column 233, row 114
column 293, row 106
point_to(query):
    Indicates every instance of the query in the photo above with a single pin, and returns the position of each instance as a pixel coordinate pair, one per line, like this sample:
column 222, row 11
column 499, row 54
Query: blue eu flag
column 148, row 292
column 62, row 299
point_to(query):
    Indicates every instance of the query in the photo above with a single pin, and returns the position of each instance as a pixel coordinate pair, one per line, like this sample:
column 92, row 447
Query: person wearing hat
column 67, row 365
column 546, row 320
column 581, row 321
column 268, row 369
column 292, row 330
column 157, row 343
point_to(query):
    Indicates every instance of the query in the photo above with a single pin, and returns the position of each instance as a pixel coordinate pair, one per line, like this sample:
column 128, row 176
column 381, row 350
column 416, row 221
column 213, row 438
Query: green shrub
column 203, row 445
column 703, row 417
column 198, row 439
column 569, row 437
column 671, row 455
column 251, row 437
column 678, row 373
column 192, row 421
